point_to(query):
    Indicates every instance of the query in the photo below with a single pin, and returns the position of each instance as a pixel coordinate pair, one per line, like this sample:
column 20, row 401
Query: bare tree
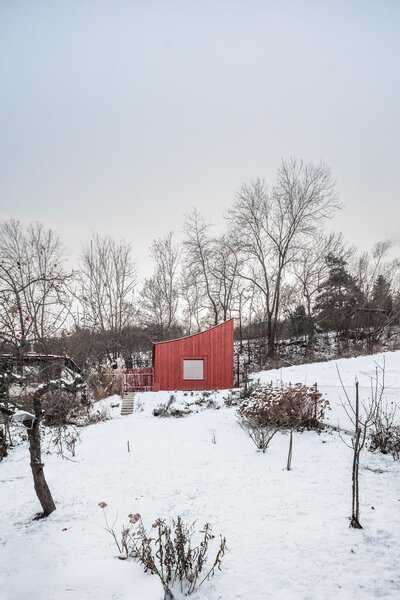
column 224, row 269
column 367, row 266
column 242, row 295
column 311, row 269
column 160, row 293
column 191, row 294
column 107, row 282
column 199, row 249
column 377, row 276
column 211, row 266
column 269, row 227
column 34, row 301
column 363, row 416
column 32, row 421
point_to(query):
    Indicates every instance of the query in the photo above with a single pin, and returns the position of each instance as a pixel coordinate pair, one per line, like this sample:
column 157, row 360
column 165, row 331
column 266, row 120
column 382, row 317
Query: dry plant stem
column 217, row 562
column 111, row 530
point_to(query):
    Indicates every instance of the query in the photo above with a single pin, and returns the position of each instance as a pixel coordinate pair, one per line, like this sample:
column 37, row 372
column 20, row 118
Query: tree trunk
column 310, row 329
column 41, row 488
column 271, row 334
column 355, row 507
column 3, row 444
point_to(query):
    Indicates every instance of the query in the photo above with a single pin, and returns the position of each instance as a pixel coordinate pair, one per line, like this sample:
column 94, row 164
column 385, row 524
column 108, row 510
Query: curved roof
column 185, row 337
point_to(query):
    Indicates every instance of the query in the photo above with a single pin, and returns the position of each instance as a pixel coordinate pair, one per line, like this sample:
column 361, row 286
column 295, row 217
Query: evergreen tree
column 298, row 321
column 338, row 297
column 382, row 295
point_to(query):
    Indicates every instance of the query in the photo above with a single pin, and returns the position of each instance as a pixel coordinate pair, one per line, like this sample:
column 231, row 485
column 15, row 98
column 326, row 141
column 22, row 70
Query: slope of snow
column 287, row 532
column 325, row 374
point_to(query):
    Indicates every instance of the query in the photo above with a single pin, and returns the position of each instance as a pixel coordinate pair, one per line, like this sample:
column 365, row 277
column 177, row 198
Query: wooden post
column 289, row 459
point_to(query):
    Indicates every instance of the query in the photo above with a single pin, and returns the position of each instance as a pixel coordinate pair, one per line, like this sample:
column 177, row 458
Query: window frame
column 193, row 359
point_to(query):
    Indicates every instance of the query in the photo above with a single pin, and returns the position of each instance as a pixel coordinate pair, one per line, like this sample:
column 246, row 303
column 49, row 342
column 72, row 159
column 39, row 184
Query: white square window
column 193, row 369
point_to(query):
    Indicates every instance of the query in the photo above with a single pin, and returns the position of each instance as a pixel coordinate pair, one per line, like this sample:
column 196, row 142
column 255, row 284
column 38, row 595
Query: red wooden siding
column 214, row 346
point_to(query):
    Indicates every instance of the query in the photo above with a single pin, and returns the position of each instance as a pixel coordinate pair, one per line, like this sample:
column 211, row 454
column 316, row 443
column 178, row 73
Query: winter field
column 287, row 531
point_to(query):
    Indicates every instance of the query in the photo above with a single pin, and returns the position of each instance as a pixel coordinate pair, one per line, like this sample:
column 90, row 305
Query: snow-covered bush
column 385, row 430
column 232, row 398
column 386, row 439
column 175, row 407
column 168, row 409
column 270, row 409
column 288, row 407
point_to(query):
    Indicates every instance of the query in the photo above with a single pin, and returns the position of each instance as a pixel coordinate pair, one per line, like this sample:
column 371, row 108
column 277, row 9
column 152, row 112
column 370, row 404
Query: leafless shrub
column 271, row 409
column 97, row 416
column 106, row 382
column 59, row 407
column 261, row 435
column 95, row 385
column 117, row 382
column 385, row 431
column 386, row 440
column 168, row 552
column 63, row 439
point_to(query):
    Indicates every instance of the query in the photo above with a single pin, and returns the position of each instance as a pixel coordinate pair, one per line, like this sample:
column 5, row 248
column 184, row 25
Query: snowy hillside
column 287, row 531
column 325, row 374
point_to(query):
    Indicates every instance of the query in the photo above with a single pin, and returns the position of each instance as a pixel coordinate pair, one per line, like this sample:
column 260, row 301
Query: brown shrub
column 106, row 383
column 288, row 407
column 270, row 409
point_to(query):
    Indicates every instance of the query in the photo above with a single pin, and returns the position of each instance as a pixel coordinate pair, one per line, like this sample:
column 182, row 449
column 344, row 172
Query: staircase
column 127, row 404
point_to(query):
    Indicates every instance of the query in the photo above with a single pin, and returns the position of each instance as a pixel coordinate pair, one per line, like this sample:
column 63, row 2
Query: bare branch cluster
column 34, row 303
column 107, row 282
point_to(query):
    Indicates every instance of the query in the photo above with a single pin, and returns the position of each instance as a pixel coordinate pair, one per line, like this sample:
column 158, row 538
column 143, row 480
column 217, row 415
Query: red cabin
column 203, row 361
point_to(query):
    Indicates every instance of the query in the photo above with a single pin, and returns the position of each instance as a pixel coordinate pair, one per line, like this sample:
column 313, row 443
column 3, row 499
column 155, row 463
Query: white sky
column 117, row 117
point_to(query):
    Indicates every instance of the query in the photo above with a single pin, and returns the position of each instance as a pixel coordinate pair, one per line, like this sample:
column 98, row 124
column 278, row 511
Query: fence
column 340, row 413
column 138, row 380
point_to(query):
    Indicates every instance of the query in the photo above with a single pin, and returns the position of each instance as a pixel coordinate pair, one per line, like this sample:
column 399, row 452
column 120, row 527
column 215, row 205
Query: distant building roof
column 35, row 359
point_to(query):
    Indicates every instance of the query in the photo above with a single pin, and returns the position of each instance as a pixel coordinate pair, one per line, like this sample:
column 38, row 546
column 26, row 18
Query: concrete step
column 127, row 404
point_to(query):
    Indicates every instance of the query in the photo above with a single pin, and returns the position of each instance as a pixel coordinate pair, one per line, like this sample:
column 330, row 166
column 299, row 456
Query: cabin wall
column 214, row 347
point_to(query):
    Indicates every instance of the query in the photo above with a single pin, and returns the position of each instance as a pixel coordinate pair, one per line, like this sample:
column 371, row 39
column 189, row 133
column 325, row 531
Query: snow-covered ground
column 326, row 375
column 287, row 532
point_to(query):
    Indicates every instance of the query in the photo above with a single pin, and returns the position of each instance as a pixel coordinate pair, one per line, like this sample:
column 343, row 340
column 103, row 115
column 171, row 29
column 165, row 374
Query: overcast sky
column 117, row 117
